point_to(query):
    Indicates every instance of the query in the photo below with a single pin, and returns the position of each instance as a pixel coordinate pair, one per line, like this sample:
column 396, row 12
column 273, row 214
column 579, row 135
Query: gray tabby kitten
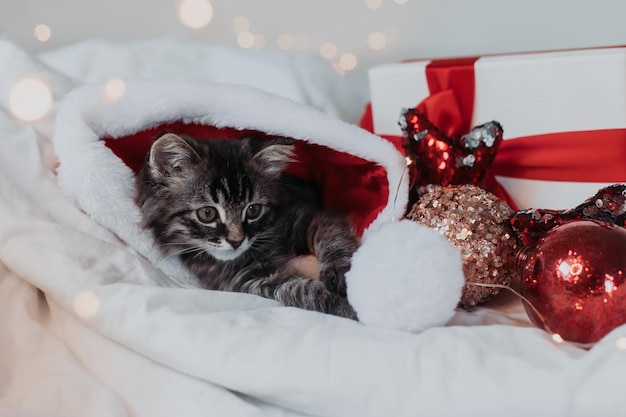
column 237, row 221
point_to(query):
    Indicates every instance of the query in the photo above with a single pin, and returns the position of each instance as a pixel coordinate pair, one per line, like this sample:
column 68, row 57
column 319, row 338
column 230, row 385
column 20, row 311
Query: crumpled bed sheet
column 89, row 328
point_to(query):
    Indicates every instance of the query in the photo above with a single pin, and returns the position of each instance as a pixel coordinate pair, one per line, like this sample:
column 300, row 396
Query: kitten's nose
column 234, row 235
column 234, row 243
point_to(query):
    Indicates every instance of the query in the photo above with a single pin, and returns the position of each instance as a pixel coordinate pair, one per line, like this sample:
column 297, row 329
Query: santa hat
column 404, row 275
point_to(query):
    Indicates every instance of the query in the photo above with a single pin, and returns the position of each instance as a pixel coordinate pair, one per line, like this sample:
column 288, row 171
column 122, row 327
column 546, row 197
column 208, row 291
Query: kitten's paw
column 339, row 306
column 334, row 277
column 322, row 300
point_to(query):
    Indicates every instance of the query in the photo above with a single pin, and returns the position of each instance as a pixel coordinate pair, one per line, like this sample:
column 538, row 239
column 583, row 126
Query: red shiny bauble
column 575, row 276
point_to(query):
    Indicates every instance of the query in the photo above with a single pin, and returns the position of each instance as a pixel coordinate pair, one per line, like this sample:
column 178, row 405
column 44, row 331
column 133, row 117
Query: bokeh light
column 377, row 40
column 401, row 1
column 348, row 61
column 328, row 50
column 86, row 304
column 113, row 90
column 245, row 40
column 42, row 33
column 30, row 99
column 194, row 13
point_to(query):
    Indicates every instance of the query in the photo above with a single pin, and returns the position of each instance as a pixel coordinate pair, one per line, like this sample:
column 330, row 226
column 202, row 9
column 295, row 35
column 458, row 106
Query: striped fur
column 236, row 221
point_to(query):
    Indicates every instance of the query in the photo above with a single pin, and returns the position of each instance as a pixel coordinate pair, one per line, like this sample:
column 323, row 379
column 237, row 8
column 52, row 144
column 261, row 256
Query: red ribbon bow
column 450, row 105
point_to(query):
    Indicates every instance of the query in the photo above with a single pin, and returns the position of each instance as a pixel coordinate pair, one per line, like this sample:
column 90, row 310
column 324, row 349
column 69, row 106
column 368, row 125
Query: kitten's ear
column 171, row 156
column 273, row 159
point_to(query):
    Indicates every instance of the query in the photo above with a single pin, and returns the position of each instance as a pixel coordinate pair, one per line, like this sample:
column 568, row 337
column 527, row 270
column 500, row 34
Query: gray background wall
column 415, row 29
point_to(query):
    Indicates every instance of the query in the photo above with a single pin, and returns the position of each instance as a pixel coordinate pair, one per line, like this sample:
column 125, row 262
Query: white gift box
column 529, row 94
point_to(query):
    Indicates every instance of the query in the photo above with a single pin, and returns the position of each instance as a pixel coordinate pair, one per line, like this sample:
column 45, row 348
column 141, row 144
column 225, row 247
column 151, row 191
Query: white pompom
column 405, row 276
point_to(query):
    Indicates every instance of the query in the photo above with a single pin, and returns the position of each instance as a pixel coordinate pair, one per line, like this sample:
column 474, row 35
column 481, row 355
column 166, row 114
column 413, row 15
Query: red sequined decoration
column 438, row 159
column 575, row 276
column 609, row 204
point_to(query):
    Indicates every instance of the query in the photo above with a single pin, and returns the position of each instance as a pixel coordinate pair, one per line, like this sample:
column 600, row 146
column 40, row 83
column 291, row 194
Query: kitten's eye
column 207, row 214
column 254, row 211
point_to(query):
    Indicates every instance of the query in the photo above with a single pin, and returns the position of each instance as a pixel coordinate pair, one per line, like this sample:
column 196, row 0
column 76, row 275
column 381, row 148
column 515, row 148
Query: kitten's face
column 225, row 226
column 209, row 197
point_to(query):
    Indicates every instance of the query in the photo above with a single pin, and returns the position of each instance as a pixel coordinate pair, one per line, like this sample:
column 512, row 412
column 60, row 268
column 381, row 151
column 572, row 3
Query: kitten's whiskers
column 188, row 250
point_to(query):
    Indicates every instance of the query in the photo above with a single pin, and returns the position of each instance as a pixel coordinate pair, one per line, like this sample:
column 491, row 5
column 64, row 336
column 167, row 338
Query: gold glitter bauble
column 475, row 222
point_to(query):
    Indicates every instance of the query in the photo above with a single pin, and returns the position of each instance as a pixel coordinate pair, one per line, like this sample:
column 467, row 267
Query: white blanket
column 88, row 328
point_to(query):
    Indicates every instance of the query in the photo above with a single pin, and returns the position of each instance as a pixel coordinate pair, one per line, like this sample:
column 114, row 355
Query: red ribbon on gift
column 580, row 156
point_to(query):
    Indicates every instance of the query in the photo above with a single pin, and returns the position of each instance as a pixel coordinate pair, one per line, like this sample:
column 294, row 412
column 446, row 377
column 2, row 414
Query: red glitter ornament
column 609, row 204
column 438, row 159
column 574, row 276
